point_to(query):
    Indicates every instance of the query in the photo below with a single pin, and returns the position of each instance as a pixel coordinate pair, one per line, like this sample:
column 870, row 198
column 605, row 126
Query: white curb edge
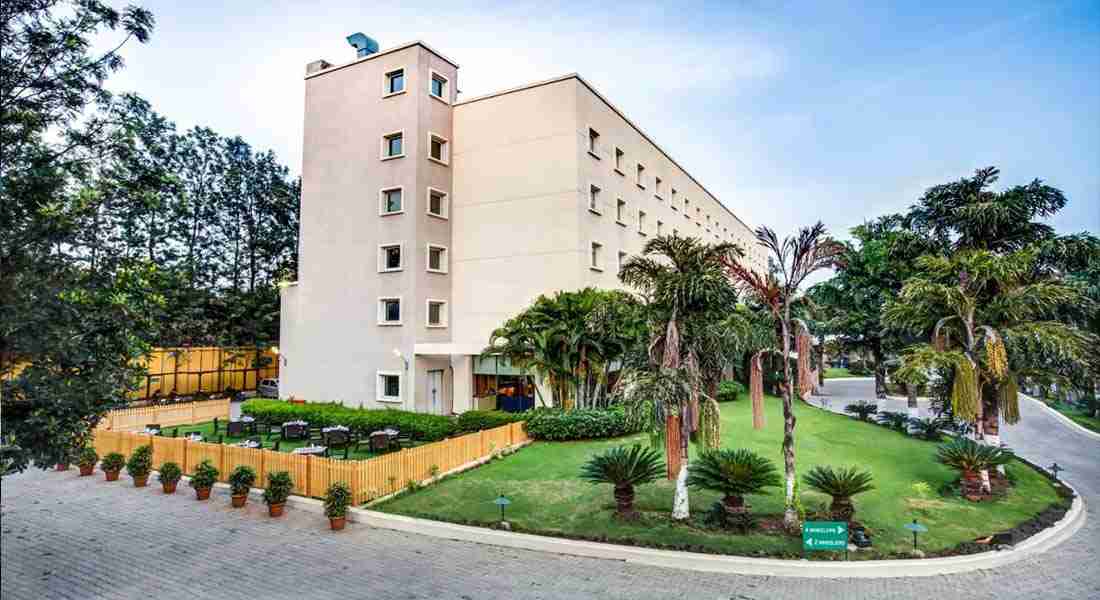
column 1066, row 420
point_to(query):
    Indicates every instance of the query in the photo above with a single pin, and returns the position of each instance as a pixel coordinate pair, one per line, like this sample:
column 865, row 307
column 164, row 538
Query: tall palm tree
column 682, row 281
column 792, row 261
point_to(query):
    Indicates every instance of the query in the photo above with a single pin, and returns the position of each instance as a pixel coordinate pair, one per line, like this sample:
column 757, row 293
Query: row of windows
column 391, row 258
column 391, row 201
column 676, row 202
column 439, row 147
column 438, row 86
column 389, row 312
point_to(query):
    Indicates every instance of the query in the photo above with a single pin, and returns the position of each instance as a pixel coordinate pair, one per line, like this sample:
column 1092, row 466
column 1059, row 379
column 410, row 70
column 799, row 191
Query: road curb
column 1066, row 420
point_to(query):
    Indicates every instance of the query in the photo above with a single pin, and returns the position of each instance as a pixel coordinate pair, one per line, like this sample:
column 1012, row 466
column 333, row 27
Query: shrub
column 970, row 457
column 863, row 410
column 718, row 516
column 87, row 457
column 279, row 486
column 337, row 500
column 733, row 473
column 898, row 421
column 420, row 426
column 729, row 390
column 558, row 425
column 476, row 420
column 241, row 480
column 841, row 484
column 206, row 474
column 624, row 468
column 170, row 472
column 141, row 462
column 926, row 428
column 113, row 461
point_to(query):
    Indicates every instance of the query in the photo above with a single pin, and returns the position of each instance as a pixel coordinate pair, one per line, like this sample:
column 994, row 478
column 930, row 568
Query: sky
column 788, row 112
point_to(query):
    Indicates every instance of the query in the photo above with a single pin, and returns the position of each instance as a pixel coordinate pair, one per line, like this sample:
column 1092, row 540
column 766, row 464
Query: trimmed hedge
column 729, row 390
column 476, row 420
column 420, row 426
column 557, row 425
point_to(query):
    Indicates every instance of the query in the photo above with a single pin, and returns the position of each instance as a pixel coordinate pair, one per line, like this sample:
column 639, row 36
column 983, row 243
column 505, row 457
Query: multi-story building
column 427, row 221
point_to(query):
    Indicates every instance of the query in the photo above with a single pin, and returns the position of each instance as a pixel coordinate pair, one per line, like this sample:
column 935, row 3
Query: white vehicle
column 268, row 388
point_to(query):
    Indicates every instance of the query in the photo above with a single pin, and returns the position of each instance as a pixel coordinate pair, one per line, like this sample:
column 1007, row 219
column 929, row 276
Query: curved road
column 67, row 537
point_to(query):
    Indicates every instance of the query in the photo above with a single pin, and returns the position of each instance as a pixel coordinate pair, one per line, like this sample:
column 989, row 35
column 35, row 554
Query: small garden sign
column 825, row 535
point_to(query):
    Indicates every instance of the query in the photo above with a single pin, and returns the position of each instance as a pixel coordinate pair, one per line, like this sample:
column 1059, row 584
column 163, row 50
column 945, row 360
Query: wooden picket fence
column 183, row 413
column 368, row 479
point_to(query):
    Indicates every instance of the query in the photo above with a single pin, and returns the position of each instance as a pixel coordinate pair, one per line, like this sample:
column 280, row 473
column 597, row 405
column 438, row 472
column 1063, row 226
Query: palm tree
column 624, row 468
column 972, row 458
column 793, row 260
column 734, row 473
column 683, row 282
column 841, row 484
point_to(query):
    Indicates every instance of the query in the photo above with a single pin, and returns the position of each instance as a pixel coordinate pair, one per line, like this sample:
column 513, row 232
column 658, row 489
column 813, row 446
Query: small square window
column 438, row 86
column 620, row 211
column 641, row 222
column 593, row 142
column 437, row 203
column 619, row 160
column 389, row 258
column 641, row 176
column 594, row 199
column 437, row 313
column 389, row 387
column 391, row 202
column 660, row 228
column 389, row 311
column 657, row 187
column 672, row 199
column 438, row 148
column 437, row 258
column 596, row 256
column 393, row 146
column 622, row 260
column 395, row 82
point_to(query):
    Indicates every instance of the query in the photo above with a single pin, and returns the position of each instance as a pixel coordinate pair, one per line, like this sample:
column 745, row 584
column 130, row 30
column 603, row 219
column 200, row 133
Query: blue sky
column 788, row 112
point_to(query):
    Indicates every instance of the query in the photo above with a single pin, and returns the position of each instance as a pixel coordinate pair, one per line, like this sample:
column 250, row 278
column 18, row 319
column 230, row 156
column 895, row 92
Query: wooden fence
column 368, row 479
column 168, row 415
column 210, row 369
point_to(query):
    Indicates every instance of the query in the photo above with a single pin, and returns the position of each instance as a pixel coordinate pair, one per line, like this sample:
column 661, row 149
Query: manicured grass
column 207, row 431
column 548, row 497
column 838, row 373
column 1079, row 416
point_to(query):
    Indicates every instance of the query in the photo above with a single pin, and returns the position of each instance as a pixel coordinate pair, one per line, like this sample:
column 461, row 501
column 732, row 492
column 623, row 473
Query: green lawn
column 1079, row 416
column 548, row 497
column 838, row 373
column 207, row 431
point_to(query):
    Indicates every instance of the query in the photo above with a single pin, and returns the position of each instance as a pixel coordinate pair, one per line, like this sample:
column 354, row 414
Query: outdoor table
column 249, row 424
column 248, row 444
column 194, row 438
column 311, row 450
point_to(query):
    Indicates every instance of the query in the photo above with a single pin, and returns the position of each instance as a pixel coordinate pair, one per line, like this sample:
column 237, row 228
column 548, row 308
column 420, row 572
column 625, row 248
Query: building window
column 660, row 227
column 437, row 313
column 389, row 311
column 672, row 199
column 391, row 202
column 641, row 176
column 389, row 258
column 437, row 203
column 594, row 199
column 619, row 160
column 437, row 86
column 437, row 258
column 389, row 387
column 596, row 257
column 395, row 82
column 438, row 148
column 620, row 211
column 392, row 146
column 641, row 222
column 687, row 206
column 593, row 142
column 622, row 259
column 657, row 187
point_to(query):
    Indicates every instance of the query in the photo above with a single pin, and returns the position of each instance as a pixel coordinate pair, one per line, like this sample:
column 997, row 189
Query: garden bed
column 549, row 498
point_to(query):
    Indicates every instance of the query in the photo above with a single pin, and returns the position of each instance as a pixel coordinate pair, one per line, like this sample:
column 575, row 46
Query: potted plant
column 841, row 484
column 624, row 468
column 279, row 486
column 170, row 474
column 337, row 500
column 86, row 460
column 240, row 481
column 139, row 465
column 206, row 474
column 112, row 464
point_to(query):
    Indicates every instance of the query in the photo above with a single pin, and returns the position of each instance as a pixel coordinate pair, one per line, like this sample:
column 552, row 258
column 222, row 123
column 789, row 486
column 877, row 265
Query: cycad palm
column 733, row 473
column 624, row 468
column 841, row 484
column 971, row 458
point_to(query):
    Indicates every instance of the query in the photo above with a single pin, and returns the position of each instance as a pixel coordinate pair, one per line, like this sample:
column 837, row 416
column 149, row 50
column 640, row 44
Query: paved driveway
column 70, row 537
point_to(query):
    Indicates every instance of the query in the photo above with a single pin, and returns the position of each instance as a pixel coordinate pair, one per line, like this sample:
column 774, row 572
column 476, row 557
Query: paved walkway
column 70, row 537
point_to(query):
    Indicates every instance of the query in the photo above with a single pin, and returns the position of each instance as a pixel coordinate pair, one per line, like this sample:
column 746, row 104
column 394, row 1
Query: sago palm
column 841, row 484
column 971, row 458
column 733, row 473
column 624, row 468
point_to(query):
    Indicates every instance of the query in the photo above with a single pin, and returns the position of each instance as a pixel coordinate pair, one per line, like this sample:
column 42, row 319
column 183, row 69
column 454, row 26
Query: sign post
column 825, row 535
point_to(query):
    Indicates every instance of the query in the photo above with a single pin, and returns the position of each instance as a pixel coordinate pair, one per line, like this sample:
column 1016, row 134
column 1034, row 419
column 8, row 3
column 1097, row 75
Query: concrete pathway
column 70, row 537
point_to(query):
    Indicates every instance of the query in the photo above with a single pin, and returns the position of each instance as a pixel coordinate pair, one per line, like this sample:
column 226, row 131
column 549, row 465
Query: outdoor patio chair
column 404, row 440
column 296, row 432
column 379, row 442
column 234, row 429
column 336, row 439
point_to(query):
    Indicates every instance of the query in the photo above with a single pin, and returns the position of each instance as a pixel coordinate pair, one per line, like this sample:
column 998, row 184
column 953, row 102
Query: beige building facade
column 427, row 221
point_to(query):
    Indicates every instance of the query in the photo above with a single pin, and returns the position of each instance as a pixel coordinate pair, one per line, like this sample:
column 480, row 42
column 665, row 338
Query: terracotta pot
column 238, row 501
column 337, row 523
column 169, row 487
column 62, row 466
column 202, row 493
column 86, row 471
column 276, row 510
column 111, row 475
column 141, row 481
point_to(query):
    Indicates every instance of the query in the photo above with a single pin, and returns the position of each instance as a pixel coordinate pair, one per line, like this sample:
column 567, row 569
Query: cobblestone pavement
column 71, row 537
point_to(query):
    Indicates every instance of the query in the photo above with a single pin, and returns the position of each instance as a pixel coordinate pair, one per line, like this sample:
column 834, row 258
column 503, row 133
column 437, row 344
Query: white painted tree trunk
column 790, row 514
column 995, row 440
column 680, row 509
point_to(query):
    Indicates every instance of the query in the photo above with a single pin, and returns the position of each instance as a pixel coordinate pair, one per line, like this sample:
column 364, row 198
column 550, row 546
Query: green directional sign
column 825, row 535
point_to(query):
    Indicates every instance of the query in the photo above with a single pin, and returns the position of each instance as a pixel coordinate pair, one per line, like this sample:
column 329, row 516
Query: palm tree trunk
column 790, row 515
column 991, row 418
column 681, row 509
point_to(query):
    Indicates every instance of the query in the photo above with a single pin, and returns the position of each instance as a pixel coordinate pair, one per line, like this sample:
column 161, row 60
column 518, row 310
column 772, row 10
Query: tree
column 624, row 468
column 682, row 281
column 792, row 262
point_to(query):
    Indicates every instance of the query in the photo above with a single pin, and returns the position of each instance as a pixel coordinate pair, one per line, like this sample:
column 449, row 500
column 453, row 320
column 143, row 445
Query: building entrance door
column 435, row 392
